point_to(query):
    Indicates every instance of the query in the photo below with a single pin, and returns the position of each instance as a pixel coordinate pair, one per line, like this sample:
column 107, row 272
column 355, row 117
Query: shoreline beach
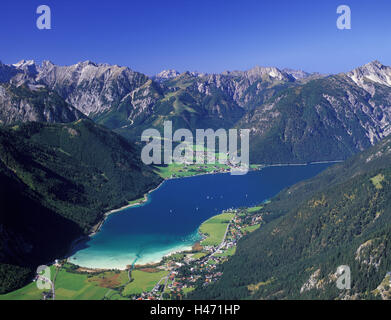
column 145, row 200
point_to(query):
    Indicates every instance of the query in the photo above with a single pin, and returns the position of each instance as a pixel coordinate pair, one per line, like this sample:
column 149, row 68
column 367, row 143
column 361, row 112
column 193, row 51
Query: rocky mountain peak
column 29, row 67
column 259, row 72
column 47, row 63
column 91, row 87
column 374, row 71
column 375, row 63
column 24, row 63
column 166, row 74
column 297, row 74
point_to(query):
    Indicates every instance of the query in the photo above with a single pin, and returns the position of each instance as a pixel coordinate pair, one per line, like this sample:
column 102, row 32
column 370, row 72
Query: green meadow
column 251, row 228
column 227, row 253
column 29, row 292
column 254, row 209
column 214, row 229
column 73, row 286
column 143, row 281
column 179, row 170
column 199, row 255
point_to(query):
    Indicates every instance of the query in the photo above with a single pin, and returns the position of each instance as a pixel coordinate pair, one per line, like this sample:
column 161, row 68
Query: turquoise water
column 169, row 221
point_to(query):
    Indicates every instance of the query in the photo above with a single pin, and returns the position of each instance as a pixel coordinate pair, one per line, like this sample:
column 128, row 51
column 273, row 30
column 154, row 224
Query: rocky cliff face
column 91, row 88
column 34, row 103
column 370, row 74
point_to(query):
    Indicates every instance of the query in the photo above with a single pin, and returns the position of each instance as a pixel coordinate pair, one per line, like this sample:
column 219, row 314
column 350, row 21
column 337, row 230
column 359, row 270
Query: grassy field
column 199, row 255
column 227, row 253
column 29, row 292
column 143, row 281
column 115, row 295
column 254, row 209
column 214, row 228
column 251, row 228
column 73, row 286
column 136, row 201
column 110, row 279
column 179, row 170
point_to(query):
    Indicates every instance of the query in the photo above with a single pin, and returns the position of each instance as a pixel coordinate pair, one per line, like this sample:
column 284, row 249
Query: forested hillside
column 341, row 217
column 57, row 181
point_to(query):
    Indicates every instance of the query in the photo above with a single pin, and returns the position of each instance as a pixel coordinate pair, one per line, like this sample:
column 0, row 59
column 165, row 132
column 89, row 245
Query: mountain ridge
column 294, row 111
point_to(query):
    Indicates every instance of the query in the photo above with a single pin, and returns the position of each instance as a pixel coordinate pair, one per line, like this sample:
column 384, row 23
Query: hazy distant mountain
column 297, row 74
column 302, row 75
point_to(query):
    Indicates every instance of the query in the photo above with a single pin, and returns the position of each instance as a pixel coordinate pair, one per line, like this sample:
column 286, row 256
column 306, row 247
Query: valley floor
column 165, row 280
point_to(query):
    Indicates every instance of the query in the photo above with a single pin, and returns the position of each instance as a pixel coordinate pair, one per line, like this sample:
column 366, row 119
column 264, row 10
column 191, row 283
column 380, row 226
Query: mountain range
column 293, row 116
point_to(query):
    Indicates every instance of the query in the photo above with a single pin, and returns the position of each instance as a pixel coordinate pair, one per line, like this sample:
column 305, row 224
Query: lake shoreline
column 145, row 200
column 95, row 229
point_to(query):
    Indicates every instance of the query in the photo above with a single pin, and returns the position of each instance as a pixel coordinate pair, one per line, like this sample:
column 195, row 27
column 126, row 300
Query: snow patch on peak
column 166, row 74
column 24, row 63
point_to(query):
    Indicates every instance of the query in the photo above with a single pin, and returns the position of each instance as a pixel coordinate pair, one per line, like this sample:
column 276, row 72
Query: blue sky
column 206, row 36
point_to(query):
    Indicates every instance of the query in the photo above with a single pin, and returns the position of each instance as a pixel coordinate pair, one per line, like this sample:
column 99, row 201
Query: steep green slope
column 340, row 217
column 321, row 118
column 182, row 101
column 57, row 180
column 324, row 119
